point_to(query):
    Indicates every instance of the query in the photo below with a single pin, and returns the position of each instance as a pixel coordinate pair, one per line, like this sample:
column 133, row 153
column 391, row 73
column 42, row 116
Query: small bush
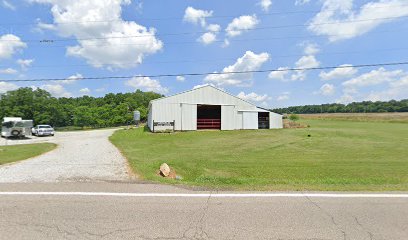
column 294, row 117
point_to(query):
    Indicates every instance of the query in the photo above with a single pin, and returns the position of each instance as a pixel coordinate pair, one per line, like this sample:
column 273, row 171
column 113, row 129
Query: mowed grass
column 361, row 117
column 339, row 155
column 15, row 153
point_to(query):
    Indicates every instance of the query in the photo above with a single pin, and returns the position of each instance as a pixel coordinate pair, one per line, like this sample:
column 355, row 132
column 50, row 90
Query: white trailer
column 16, row 127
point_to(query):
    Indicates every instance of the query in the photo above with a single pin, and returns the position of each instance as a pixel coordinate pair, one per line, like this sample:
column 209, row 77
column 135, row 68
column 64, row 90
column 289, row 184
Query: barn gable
column 205, row 95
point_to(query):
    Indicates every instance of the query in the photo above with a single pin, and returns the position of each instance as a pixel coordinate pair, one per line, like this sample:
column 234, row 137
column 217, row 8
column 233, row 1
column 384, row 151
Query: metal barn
column 208, row 107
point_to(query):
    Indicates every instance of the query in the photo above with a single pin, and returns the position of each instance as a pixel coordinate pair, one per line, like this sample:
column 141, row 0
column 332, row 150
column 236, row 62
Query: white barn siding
column 238, row 120
column 250, row 120
column 188, row 117
column 167, row 113
column 182, row 108
column 228, row 117
column 275, row 120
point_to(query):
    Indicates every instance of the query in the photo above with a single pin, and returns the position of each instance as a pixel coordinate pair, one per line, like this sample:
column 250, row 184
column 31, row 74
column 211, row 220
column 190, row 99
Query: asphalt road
column 212, row 216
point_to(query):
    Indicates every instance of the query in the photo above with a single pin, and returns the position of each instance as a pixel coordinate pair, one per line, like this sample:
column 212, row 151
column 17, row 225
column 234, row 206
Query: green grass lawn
column 339, row 155
column 15, row 153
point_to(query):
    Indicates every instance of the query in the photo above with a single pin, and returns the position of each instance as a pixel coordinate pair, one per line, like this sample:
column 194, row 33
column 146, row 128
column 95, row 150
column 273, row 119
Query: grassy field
column 15, row 153
column 361, row 117
column 339, row 155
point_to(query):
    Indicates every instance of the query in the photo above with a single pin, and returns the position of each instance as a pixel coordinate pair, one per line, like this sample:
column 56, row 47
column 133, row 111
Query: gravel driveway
column 80, row 156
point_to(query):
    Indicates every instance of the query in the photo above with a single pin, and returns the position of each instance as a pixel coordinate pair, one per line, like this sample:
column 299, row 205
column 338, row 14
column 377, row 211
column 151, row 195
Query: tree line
column 108, row 111
column 355, row 107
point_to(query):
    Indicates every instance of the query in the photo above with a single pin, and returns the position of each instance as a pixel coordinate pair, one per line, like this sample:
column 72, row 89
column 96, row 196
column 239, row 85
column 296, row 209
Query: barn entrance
column 263, row 120
column 208, row 117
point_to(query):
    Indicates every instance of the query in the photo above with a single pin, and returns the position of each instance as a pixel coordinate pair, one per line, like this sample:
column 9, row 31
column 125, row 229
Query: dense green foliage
column 355, row 107
column 107, row 111
column 15, row 153
column 338, row 155
column 294, row 117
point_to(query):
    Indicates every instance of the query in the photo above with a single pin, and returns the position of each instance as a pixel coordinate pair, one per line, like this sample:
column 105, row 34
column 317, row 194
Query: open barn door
column 208, row 117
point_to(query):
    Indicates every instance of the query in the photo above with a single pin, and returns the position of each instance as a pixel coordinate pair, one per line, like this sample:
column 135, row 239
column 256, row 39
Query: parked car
column 43, row 130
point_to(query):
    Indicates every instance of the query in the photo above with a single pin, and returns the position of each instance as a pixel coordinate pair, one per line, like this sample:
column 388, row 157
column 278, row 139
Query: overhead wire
column 370, row 51
column 207, row 73
column 50, row 40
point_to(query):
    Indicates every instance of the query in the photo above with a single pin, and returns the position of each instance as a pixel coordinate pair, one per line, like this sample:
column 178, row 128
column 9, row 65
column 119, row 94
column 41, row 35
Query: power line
column 199, row 32
column 210, row 17
column 217, row 41
column 371, row 51
column 206, row 74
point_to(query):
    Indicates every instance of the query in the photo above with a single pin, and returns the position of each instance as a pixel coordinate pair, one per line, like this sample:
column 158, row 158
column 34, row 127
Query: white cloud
column 56, row 90
column 214, row 28
column 346, row 98
column 350, row 23
column 253, row 97
column 301, row 2
column 241, row 24
column 44, row 26
column 180, row 78
column 25, row 63
column 283, row 97
column 307, row 62
column 327, row 90
column 207, row 38
column 114, row 44
column 280, row 74
column 304, row 62
column 147, row 84
column 265, row 4
column 394, row 85
column 344, row 71
column 374, row 77
column 8, row 71
column 196, row 16
column 311, row 48
column 249, row 62
column 8, row 5
column 84, row 91
column 5, row 87
column 71, row 79
column 10, row 44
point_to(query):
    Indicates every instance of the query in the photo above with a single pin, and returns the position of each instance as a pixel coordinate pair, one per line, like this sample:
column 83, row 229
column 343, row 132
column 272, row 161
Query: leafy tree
column 86, row 111
column 355, row 107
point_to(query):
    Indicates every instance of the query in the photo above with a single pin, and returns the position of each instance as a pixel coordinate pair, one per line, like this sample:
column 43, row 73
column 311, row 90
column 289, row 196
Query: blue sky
column 131, row 38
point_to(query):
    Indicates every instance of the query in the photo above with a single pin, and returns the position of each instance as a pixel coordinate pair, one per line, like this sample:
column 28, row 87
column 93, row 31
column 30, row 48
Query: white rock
column 165, row 169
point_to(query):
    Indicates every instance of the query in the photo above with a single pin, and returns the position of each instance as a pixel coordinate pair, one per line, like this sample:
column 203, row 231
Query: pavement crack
column 103, row 235
column 194, row 231
column 55, row 227
column 370, row 234
column 337, row 225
